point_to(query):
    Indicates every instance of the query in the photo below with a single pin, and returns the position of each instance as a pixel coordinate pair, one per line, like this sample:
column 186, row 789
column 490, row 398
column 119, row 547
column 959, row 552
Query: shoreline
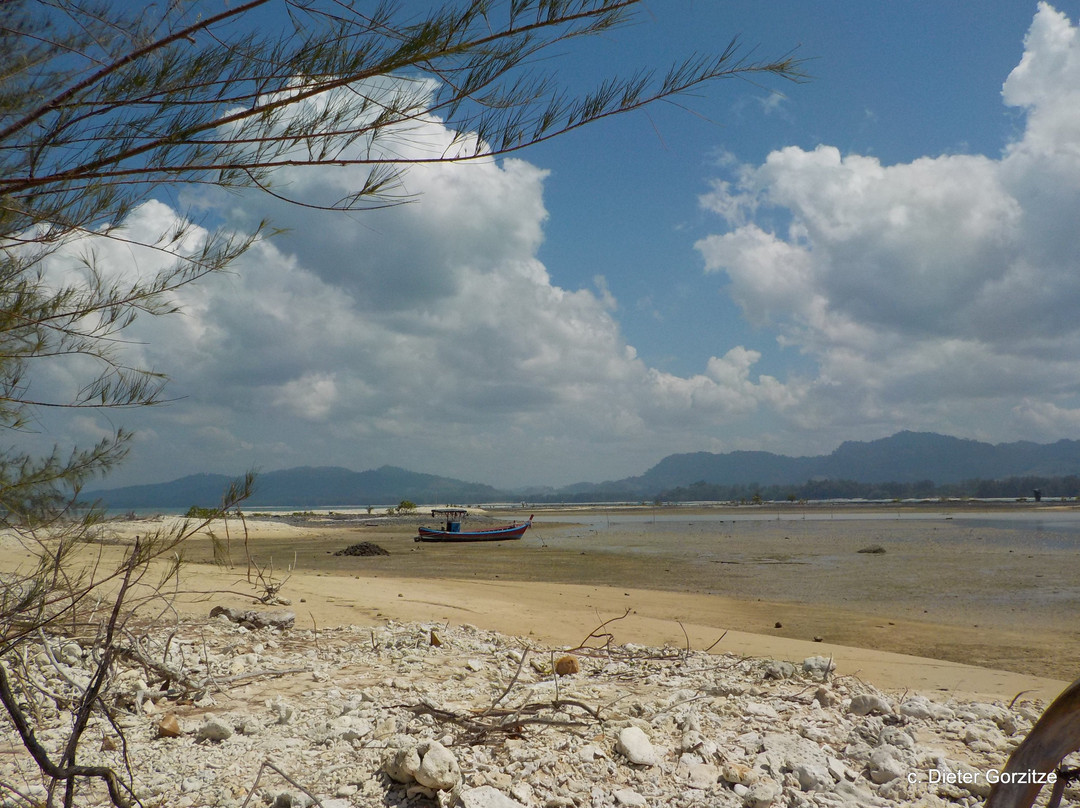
column 566, row 615
column 548, row 589
column 999, row 596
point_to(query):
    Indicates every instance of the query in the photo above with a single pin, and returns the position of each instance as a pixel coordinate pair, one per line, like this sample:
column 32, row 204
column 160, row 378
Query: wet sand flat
column 990, row 593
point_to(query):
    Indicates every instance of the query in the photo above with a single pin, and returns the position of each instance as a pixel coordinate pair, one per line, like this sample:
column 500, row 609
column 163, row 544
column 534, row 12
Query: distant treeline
column 1009, row 488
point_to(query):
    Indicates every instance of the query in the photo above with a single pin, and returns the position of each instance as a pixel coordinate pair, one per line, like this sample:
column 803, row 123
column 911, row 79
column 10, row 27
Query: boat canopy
column 449, row 513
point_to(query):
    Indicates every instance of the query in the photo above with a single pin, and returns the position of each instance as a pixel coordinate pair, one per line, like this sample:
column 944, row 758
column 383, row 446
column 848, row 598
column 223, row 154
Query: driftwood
column 1034, row 762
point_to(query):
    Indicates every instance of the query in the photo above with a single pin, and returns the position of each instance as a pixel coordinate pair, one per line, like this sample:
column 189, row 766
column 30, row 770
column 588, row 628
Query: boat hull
column 497, row 534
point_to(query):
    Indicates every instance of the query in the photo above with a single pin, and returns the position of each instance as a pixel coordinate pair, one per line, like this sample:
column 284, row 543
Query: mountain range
column 905, row 457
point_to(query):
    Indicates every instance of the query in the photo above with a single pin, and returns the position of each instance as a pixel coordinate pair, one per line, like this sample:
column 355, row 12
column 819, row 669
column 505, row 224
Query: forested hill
column 307, row 486
column 905, row 458
column 906, row 464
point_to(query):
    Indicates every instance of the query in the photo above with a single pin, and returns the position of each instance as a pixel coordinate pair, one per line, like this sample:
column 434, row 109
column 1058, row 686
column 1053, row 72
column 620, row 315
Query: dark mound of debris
column 364, row 548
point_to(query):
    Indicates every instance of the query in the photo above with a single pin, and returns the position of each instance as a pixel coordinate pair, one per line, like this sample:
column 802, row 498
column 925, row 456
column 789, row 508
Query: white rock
column 402, row 763
column 763, row 794
column 969, row 778
column 779, row 670
column 630, row 798
column 636, row 747
column 213, row 729
column 760, row 709
column 349, row 728
column 248, row 725
column 288, row 799
column 523, row 793
column 818, row 666
column 895, row 736
column 838, row 770
column 71, row 653
column 703, row 775
column 884, row 765
column 814, row 777
column 869, row 704
column 438, row 767
column 487, row 797
column 921, row 707
column 590, row 752
column 282, row 711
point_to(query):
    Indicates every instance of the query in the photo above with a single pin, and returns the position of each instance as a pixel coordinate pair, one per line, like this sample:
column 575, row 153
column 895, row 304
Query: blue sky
column 894, row 80
column 890, row 245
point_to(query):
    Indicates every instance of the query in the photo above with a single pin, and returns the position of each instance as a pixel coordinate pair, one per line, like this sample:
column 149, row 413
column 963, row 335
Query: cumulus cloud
column 426, row 335
column 936, row 294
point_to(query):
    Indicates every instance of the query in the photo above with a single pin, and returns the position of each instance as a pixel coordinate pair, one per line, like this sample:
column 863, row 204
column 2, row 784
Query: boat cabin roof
column 458, row 512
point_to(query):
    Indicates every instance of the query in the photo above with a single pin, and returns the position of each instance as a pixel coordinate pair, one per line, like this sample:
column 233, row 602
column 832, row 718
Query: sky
column 891, row 245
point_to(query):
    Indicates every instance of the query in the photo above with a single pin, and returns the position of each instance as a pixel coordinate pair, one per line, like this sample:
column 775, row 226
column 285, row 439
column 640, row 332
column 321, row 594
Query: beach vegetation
column 196, row 512
column 405, row 506
column 106, row 107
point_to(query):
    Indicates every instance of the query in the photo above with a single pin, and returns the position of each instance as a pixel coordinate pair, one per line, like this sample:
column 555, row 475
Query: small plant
column 405, row 506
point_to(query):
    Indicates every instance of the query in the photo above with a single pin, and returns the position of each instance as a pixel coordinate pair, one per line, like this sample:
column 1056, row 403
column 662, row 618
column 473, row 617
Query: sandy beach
column 944, row 603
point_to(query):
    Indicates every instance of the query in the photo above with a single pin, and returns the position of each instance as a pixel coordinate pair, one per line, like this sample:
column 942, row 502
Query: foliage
column 104, row 106
column 195, row 512
column 405, row 506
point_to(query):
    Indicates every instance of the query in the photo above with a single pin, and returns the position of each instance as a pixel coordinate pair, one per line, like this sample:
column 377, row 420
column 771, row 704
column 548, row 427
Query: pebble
column 357, row 721
column 438, row 767
column 636, row 746
column 630, row 798
column 487, row 797
column 869, row 704
column 213, row 729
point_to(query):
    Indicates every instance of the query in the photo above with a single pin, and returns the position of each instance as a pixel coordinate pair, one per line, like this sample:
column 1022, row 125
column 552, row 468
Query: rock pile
column 385, row 716
column 364, row 548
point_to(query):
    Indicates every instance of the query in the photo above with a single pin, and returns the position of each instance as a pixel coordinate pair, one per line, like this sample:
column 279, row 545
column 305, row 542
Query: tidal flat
column 997, row 587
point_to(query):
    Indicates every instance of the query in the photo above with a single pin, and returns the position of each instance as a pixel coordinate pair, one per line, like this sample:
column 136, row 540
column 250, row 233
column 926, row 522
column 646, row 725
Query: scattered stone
column 438, row 767
column 635, row 745
column 779, row 670
column 364, row 548
column 818, row 667
column 873, row 549
column 703, row 776
column 869, row 704
column 214, row 730
column 814, row 777
column 884, row 765
column 630, row 798
column 282, row 711
column 290, row 799
column 487, row 797
column 824, row 697
column 401, row 764
column 378, row 716
column 763, row 794
column 253, row 619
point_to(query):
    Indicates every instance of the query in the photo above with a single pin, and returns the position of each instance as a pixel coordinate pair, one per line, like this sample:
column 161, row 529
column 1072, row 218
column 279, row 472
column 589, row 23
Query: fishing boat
column 451, row 528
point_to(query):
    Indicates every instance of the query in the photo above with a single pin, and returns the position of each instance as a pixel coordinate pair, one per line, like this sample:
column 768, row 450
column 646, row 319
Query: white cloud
column 934, row 294
column 426, row 335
